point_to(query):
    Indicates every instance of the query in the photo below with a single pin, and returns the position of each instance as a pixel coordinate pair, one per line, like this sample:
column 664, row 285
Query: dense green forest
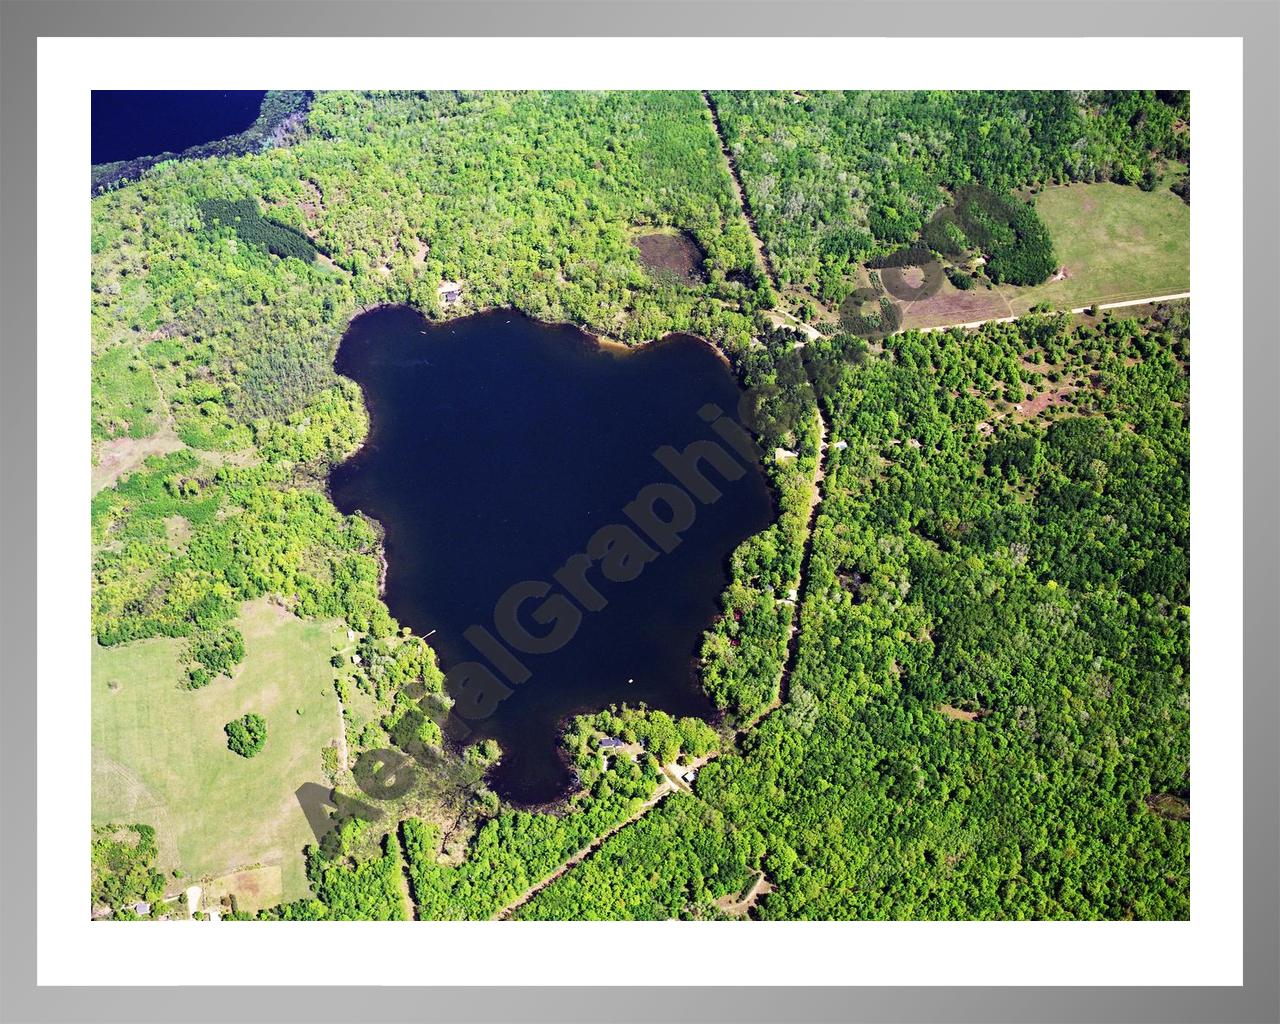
column 743, row 653
column 245, row 220
column 835, row 177
column 1012, row 238
column 529, row 200
column 987, row 711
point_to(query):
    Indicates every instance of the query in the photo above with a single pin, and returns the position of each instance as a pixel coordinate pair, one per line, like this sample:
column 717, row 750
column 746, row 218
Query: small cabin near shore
column 449, row 292
column 610, row 745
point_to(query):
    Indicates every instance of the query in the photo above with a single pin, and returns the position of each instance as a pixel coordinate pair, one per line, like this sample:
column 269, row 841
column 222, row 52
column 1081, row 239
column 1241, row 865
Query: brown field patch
column 1032, row 407
column 912, row 277
column 253, row 888
column 177, row 531
column 1166, row 805
column 672, row 254
column 960, row 714
column 120, row 456
column 952, row 306
column 741, row 906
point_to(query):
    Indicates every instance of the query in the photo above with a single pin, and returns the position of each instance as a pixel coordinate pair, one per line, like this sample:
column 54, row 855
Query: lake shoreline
column 604, row 340
column 473, row 389
column 280, row 113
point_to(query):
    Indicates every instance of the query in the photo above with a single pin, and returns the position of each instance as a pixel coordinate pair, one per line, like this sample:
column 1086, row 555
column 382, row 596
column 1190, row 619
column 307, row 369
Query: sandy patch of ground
column 253, row 888
column 742, row 906
column 961, row 715
column 177, row 531
column 782, row 319
column 952, row 306
column 1032, row 407
column 1169, row 806
column 242, row 459
column 122, row 455
column 912, row 277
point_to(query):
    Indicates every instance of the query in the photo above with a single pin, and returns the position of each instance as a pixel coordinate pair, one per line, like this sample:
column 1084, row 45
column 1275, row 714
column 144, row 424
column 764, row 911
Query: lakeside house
column 450, row 292
column 607, row 744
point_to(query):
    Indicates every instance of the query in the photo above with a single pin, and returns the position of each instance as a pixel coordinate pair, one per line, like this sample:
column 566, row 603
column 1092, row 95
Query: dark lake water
column 499, row 446
column 130, row 123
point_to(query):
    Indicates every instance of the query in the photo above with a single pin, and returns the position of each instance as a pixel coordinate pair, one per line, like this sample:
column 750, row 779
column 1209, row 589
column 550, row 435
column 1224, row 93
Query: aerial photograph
column 617, row 505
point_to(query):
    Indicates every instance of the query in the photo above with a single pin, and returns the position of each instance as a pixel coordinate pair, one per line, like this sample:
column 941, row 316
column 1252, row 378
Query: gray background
column 22, row 22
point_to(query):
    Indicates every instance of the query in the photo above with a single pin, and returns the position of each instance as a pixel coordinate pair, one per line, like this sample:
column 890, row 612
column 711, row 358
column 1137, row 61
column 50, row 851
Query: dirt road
column 1078, row 309
column 664, row 790
column 762, row 254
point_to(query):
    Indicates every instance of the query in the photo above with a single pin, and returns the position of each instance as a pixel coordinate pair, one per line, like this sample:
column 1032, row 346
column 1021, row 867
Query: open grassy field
column 160, row 755
column 1116, row 242
column 254, row 888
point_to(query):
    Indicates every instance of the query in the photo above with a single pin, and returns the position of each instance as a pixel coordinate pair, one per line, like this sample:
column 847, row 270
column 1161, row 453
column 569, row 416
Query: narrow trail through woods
column 762, row 254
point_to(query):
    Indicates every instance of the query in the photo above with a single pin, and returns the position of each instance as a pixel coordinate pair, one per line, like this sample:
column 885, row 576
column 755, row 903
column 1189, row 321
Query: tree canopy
column 246, row 736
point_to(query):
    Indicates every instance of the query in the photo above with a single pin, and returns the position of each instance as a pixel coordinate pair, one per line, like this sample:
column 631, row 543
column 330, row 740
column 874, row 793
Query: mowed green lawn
column 1117, row 243
column 160, row 755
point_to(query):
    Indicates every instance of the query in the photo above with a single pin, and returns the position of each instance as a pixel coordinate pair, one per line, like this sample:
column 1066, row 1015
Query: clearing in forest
column 1116, row 243
column 672, row 254
column 160, row 755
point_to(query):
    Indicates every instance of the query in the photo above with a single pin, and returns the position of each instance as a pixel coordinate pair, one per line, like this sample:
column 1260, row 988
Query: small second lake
column 499, row 448
column 131, row 123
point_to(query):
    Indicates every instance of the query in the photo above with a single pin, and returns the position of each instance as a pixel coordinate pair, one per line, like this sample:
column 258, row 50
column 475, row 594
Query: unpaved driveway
column 193, row 901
